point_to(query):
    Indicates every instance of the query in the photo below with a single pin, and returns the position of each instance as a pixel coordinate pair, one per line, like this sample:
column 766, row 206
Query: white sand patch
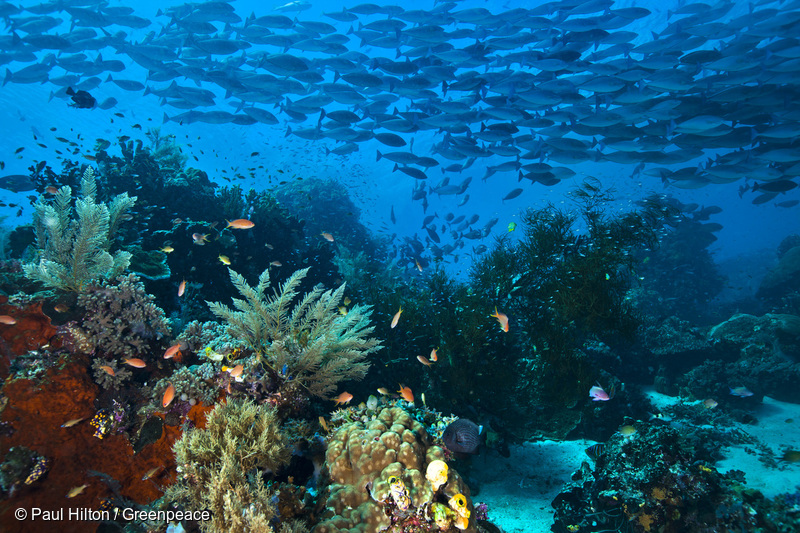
column 772, row 430
column 519, row 489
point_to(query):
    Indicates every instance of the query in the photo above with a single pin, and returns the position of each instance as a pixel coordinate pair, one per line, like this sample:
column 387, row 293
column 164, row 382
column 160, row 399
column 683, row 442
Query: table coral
column 377, row 463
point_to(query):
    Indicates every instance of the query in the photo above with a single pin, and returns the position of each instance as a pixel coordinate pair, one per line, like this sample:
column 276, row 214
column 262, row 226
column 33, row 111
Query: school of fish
column 709, row 99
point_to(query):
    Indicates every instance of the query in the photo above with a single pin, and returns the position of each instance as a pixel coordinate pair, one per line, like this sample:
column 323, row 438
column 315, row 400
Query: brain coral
column 363, row 456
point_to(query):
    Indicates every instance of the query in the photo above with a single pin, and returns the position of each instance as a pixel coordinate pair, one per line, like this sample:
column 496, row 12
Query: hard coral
column 378, row 473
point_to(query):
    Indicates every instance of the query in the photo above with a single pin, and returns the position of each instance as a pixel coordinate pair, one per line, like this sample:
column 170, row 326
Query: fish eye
column 392, row 480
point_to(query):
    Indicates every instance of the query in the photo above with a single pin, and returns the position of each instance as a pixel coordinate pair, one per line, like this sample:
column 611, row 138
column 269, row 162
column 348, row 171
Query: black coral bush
column 310, row 340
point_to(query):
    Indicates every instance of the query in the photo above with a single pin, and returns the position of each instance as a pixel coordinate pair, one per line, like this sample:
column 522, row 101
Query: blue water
column 26, row 110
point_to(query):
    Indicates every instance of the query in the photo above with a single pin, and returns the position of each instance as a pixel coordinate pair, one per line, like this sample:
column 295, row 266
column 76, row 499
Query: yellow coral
column 659, row 493
column 646, row 521
column 436, row 474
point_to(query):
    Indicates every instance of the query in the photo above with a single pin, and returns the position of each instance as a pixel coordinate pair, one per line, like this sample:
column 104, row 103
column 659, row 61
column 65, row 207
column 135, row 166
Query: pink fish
column 741, row 392
column 598, row 394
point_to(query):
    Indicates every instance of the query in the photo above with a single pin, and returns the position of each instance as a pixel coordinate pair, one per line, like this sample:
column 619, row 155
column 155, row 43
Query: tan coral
column 363, row 457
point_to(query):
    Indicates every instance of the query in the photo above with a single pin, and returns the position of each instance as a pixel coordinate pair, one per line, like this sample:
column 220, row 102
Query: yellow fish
column 168, row 249
column 70, row 423
column 224, row 260
column 76, row 490
column 512, row 226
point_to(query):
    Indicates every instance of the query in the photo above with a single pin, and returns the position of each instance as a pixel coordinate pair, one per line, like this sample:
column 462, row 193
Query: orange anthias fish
column 172, row 351
column 384, row 391
column 240, row 223
column 406, row 393
column 107, row 369
column 169, row 395
column 434, row 357
column 181, row 288
column 327, row 236
column 502, row 318
column 7, row 320
column 424, row 360
column 135, row 363
column 343, row 398
column 396, row 318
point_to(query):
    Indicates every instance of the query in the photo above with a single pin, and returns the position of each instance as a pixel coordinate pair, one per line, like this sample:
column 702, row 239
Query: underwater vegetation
column 224, row 467
column 310, row 345
column 73, row 251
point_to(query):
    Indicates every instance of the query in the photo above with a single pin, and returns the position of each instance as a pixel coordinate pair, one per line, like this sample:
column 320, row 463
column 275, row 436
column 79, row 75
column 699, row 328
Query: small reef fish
column 172, row 351
column 234, row 371
column 396, row 318
column 169, row 395
column 424, row 360
column 276, row 264
column 50, row 189
column 239, row 223
column 512, row 226
column 741, row 392
column 76, row 491
column 595, row 450
column 343, row 398
column 181, row 288
column 61, row 308
column 167, row 249
column 150, row 473
column 7, row 320
column 419, row 267
column 710, row 403
column 200, row 238
column 324, row 424
column 384, row 391
column 134, row 362
column 224, row 259
column 433, row 356
column 342, row 310
column 327, row 236
column 74, row 421
column 502, row 318
column 627, row 430
column 107, row 369
column 598, row 394
column 791, row 456
column 406, row 393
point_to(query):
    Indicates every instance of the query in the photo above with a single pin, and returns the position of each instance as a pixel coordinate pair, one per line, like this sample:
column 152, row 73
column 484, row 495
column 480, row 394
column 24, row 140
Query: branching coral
column 75, row 252
column 121, row 318
column 311, row 342
column 222, row 467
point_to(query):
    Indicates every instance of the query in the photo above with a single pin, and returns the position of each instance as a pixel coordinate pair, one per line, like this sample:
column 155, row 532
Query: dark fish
column 595, row 450
column 462, row 436
column 775, row 186
column 81, row 99
column 17, row 183
column 513, row 194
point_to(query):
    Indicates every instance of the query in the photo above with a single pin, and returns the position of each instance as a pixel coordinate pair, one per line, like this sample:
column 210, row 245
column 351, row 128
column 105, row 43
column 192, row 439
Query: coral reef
column 38, row 412
column 378, row 471
column 311, row 343
column 122, row 319
column 784, row 278
column 222, row 467
column 75, row 252
column 656, row 479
